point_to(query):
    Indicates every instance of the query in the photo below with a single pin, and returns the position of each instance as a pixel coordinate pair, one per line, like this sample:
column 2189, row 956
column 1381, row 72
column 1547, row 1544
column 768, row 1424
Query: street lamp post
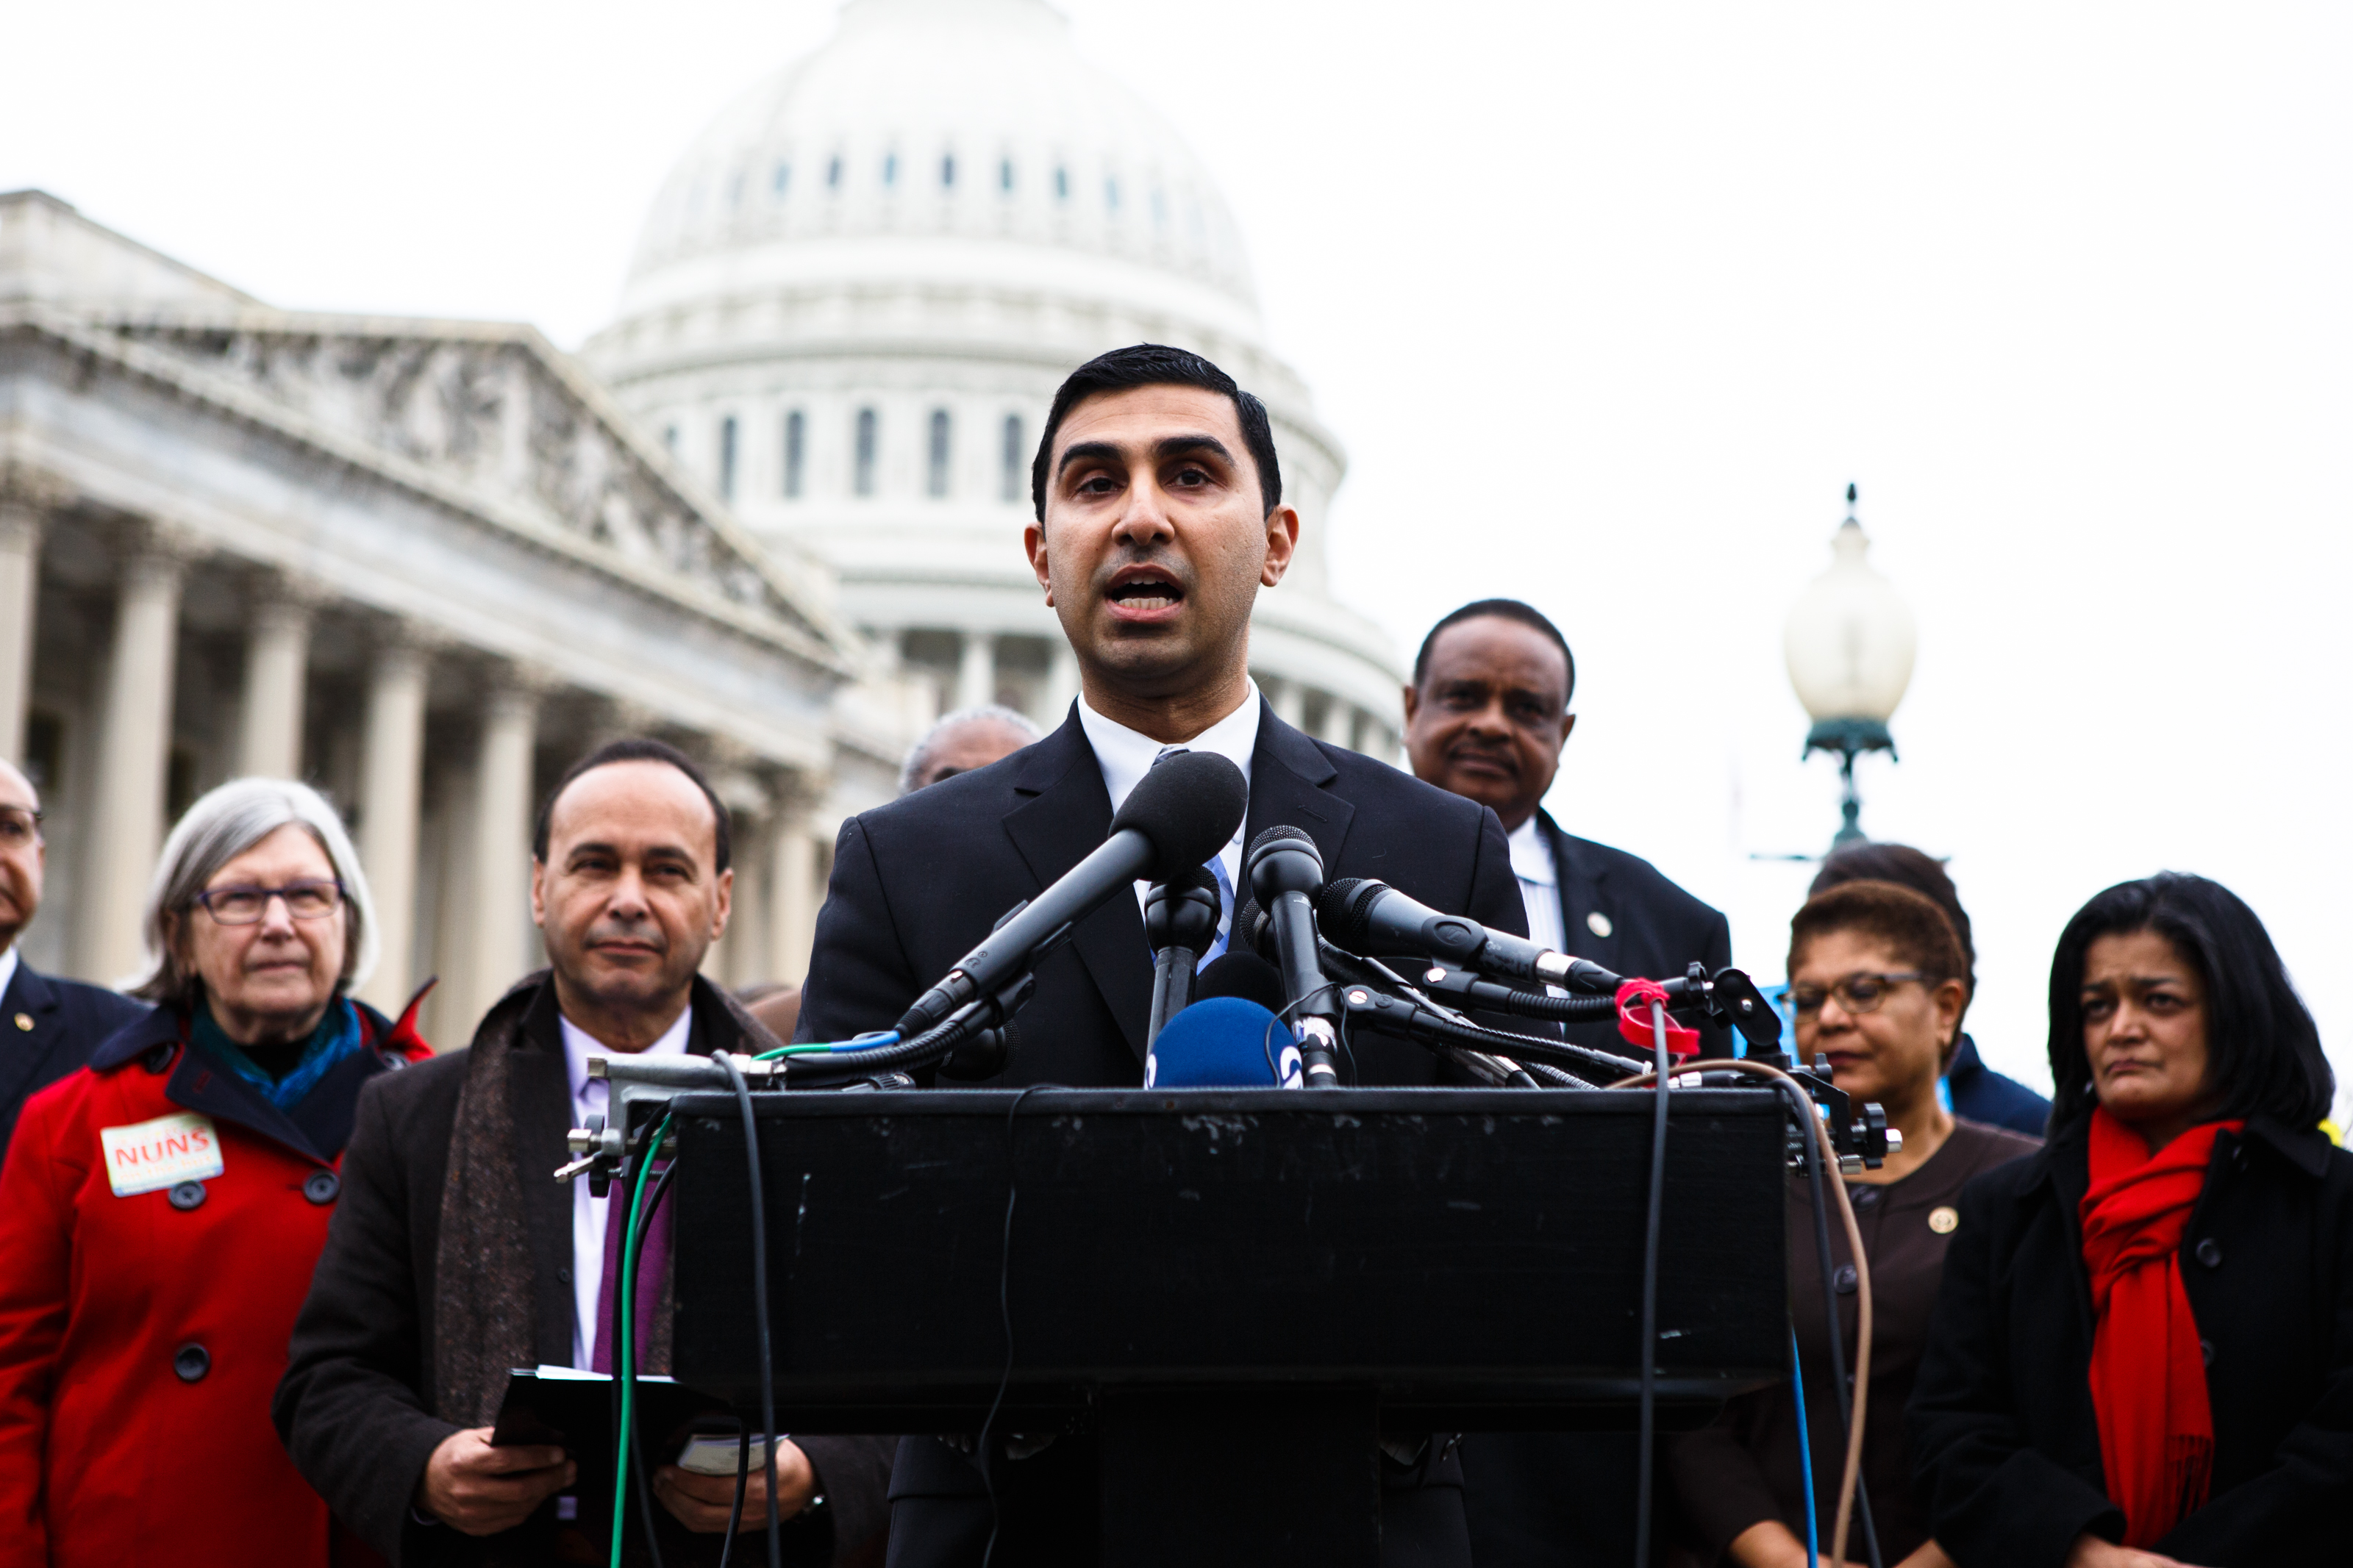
column 1848, row 644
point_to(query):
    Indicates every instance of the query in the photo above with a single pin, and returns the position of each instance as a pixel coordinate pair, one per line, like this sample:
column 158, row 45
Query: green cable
column 624, row 1359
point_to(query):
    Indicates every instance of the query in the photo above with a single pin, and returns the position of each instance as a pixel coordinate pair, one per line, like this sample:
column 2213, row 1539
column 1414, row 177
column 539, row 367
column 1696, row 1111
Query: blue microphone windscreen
column 1225, row 1042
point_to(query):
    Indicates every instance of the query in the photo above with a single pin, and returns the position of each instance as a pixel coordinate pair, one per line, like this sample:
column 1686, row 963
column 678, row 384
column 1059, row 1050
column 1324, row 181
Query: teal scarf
column 337, row 1036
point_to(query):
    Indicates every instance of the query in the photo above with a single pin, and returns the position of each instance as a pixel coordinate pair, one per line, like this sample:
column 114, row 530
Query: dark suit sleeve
column 854, row 1474
column 1494, row 898
column 349, row 1408
column 1992, row 1496
column 858, row 975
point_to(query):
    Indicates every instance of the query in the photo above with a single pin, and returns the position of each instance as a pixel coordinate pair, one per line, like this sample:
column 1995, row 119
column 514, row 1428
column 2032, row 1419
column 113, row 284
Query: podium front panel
column 1474, row 1254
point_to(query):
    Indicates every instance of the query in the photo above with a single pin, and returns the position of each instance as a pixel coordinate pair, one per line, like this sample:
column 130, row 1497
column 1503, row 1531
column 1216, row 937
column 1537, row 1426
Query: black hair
column 633, row 749
column 1906, row 867
column 1501, row 609
column 1157, row 364
column 2262, row 1049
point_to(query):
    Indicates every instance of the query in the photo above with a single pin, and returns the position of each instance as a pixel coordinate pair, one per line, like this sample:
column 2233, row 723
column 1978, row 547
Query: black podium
column 1271, row 1277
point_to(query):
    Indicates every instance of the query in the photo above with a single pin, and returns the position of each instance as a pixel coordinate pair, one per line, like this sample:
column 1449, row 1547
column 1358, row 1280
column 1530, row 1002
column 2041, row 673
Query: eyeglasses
column 19, row 825
column 244, row 906
column 1855, row 993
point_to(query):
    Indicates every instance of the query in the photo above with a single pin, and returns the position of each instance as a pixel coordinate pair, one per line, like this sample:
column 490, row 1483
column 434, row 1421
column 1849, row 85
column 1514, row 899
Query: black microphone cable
column 759, row 1289
column 1646, row 1461
column 1005, row 1316
column 742, row 1479
column 1850, row 1484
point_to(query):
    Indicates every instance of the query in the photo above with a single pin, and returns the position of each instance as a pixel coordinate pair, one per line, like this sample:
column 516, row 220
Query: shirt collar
column 580, row 1046
column 8, row 968
column 1126, row 755
column 1531, row 854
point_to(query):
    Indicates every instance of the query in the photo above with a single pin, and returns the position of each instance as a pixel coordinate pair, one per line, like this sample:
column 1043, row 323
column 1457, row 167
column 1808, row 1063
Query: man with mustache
column 1486, row 716
column 454, row 1258
column 1159, row 518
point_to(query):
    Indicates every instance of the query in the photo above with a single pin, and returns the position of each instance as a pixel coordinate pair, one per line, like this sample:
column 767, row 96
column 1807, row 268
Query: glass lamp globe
column 1848, row 644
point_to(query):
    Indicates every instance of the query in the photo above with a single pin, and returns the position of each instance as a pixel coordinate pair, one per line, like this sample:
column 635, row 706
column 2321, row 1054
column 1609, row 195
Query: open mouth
column 1145, row 592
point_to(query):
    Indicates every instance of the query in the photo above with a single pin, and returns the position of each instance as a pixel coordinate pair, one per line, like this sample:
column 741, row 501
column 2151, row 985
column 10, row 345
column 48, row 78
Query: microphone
column 1179, row 813
column 1371, row 917
column 1181, row 921
column 1285, row 871
column 1223, row 1042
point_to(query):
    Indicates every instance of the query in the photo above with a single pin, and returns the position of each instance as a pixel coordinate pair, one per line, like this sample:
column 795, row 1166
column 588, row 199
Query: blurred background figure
column 775, row 1004
column 2142, row 1357
column 1975, row 1090
column 47, row 1027
column 1486, row 718
column 966, row 739
column 1877, row 975
column 160, row 1208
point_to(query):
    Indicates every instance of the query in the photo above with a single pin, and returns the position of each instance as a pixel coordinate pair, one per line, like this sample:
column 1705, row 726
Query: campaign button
column 192, row 1361
column 321, row 1187
column 186, row 1195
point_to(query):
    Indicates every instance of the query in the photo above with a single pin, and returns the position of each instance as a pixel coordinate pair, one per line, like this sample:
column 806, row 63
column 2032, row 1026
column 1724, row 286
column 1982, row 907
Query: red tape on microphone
column 1634, row 999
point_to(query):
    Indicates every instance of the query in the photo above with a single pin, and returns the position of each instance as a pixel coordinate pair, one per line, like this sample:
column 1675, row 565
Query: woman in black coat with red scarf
column 2142, row 1353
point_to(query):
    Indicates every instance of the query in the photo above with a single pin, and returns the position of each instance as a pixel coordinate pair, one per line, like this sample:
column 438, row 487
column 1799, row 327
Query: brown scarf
column 483, row 1290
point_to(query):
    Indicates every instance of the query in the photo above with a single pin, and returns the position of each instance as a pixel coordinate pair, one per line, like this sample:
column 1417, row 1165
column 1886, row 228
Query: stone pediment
column 496, row 413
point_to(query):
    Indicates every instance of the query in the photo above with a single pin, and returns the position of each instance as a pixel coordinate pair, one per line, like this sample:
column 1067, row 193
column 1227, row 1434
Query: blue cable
column 1805, row 1449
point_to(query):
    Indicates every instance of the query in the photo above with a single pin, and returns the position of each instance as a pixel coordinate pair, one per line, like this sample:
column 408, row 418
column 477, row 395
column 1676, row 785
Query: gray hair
column 920, row 752
column 223, row 824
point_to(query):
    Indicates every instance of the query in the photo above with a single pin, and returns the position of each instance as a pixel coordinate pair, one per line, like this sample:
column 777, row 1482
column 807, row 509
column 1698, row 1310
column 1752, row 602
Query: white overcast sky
column 1608, row 304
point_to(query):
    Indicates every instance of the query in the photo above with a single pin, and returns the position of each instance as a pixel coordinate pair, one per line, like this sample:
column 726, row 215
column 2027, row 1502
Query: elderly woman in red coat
column 161, row 1209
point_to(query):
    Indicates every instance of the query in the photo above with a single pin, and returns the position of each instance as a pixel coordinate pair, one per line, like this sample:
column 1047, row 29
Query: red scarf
column 2149, row 1375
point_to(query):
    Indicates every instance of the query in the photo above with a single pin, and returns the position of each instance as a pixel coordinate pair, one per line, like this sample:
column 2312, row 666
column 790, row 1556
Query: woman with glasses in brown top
column 1877, row 977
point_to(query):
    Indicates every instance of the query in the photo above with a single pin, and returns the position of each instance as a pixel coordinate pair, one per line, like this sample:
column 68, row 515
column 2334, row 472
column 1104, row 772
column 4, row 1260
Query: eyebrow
column 1166, row 447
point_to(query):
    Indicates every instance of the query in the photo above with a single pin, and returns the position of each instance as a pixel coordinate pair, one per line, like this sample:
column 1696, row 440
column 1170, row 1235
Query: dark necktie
column 653, row 1262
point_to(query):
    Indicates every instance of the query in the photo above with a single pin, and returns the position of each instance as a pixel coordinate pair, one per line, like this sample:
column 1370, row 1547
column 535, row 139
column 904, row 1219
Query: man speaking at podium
column 1159, row 516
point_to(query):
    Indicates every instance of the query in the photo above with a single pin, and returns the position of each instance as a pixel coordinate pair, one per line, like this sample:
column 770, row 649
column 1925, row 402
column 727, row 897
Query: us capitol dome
column 855, row 294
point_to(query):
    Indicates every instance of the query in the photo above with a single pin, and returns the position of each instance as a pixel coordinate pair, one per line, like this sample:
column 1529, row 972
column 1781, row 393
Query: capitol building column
column 496, row 921
column 793, row 891
column 126, row 793
column 976, row 671
column 276, row 652
column 391, row 772
column 20, row 577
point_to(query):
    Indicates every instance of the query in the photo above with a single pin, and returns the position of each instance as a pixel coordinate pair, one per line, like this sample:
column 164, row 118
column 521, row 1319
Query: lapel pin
column 24, row 1022
column 1599, row 923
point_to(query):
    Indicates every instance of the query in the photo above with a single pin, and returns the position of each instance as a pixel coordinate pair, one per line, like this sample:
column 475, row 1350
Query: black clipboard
column 574, row 1410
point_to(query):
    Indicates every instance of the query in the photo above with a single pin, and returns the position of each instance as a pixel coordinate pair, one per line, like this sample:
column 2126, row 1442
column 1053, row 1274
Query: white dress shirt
column 1126, row 755
column 1531, row 863
column 589, row 1211
column 8, row 968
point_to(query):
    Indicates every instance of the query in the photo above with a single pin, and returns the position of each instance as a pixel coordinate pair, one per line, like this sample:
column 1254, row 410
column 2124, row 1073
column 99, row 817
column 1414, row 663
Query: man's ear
column 538, row 892
column 1033, row 540
column 1281, row 544
column 1567, row 722
column 726, row 903
column 1412, row 701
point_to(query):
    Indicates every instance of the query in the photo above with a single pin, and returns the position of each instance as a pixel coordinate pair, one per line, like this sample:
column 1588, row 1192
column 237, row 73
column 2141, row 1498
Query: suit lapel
column 1581, row 898
column 1288, row 780
column 24, row 1052
column 1062, row 815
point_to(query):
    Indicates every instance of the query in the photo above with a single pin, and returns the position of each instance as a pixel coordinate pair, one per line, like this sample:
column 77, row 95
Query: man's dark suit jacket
column 356, row 1405
column 47, row 1029
column 1567, row 1497
column 918, row 882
